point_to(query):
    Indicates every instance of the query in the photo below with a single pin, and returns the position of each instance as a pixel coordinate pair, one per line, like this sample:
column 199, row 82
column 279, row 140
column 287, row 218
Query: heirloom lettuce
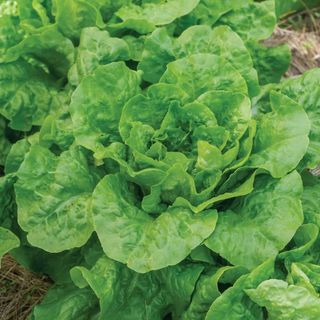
column 144, row 168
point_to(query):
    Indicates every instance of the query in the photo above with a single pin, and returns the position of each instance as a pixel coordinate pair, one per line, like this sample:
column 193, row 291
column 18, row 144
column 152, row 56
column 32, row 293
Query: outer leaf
column 26, row 96
column 9, row 34
column 96, row 48
column 281, row 132
column 306, row 91
column 284, row 8
column 157, row 53
column 16, row 155
column 125, row 295
column 206, row 292
column 73, row 15
column 285, row 301
column 261, row 224
column 209, row 11
column 66, row 303
column 5, row 144
column 302, row 242
column 270, row 62
column 48, row 47
column 8, row 241
column 310, row 203
column 160, row 49
column 312, row 271
column 221, row 41
column 199, row 73
column 53, row 196
column 256, row 21
column 146, row 17
column 131, row 236
column 98, row 101
column 7, row 204
column 234, row 303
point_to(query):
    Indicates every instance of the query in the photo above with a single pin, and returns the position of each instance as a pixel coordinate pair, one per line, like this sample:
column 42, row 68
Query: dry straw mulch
column 301, row 31
column 20, row 290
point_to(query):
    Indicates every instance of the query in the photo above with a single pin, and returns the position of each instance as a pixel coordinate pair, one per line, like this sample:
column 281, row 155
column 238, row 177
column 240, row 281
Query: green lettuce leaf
column 234, row 303
column 49, row 47
column 157, row 53
column 285, row 301
column 67, row 303
column 221, row 41
column 211, row 71
column 98, row 101
column 261, row 224
column 8, row 241
column 270, row 62
column 255, row 21
column 145, row 18
column 310, row 204
column 27, row 94
column 5, row 144
column 131, row 236
column 72, row 16
column 124, row 294
column 207, row 290
column 281, row 132
column 305, row 90
column 161, row 49
column 53, row 197
column 96, row 48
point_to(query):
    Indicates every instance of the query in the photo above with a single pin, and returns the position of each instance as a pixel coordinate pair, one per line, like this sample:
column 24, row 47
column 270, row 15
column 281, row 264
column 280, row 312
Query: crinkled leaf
column 255, row 21
column 131, row 236
column 125, row 295
column 206, row 291
column 49, row 47
column 27, row 94
column 305, row 90
column 260, row 224
column 234, row 303
column 209, row 11
column 270, row 62
column 136, row 46
column 53, row 196
column 280, row 133
column 98, row 101
column 157, row 53
column 310, row 204
column 285, row 301
column 302, row 242
column 16, row 155
column 221, row 41
column 66, row 303
column 145, row 18
column 10, row 34
column 199, row 73
column 96, row 48
column 72, row 16
column 232, row 110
